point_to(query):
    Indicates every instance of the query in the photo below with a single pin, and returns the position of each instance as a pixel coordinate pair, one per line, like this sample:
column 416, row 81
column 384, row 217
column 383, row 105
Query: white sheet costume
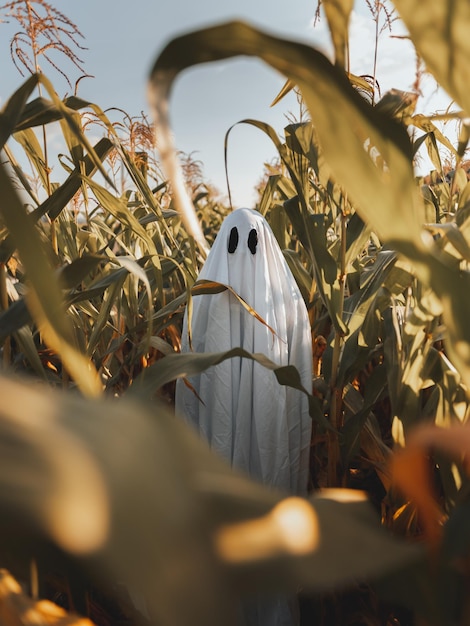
column 259, row 426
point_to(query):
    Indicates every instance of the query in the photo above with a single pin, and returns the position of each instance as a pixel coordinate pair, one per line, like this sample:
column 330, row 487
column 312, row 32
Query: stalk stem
column 336, row 403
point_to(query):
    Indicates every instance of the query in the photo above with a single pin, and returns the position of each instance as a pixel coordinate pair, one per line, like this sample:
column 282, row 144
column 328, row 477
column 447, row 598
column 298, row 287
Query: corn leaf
column 44, row 298
column 439, row 30
column 176, row 366
column 72, row 472
column 351, row 118
column 338, row 13
column 11, row 112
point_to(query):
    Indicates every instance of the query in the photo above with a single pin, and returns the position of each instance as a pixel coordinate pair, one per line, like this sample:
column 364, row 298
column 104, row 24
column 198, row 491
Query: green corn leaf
column 40, row 112
column 15, row 317
column 302, row 276
column 98, row 286
column 102, row 319
column 176, row 366
column 399, row 105
column 325, row 262
column 33, row 150
column 11, row 112
column 357, row 236
column 59, row 199
column 454, row 236
column 425, row 123
column 433, row 151
column 310, row 230
column 134, row 268
column 24, row 337
column 44, row 297
column 72, row 274
column 119, row 209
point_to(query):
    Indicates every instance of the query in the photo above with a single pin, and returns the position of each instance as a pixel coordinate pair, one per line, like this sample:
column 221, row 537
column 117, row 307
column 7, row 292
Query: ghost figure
column 259, row 426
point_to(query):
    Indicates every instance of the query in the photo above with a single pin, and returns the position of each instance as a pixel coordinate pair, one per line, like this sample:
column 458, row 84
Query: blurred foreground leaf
column 338, row 13
column 439, row 30
column 143, row 498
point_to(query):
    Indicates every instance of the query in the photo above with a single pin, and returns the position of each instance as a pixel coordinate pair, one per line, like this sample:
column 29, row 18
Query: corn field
column 112, row 507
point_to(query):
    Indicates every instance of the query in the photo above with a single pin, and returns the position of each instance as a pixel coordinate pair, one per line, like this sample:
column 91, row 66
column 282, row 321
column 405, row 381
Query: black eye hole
column 233, row 240
column 253, row 240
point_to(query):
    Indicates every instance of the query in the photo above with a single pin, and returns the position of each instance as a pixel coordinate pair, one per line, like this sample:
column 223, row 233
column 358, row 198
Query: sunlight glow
column 343, row 495
column 291, row 528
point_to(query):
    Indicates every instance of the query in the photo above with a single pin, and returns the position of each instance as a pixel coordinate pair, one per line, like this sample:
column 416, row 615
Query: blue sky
column 124, row 38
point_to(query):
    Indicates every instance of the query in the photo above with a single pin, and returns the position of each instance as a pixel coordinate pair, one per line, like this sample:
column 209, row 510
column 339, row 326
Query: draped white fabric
column 259, row 426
